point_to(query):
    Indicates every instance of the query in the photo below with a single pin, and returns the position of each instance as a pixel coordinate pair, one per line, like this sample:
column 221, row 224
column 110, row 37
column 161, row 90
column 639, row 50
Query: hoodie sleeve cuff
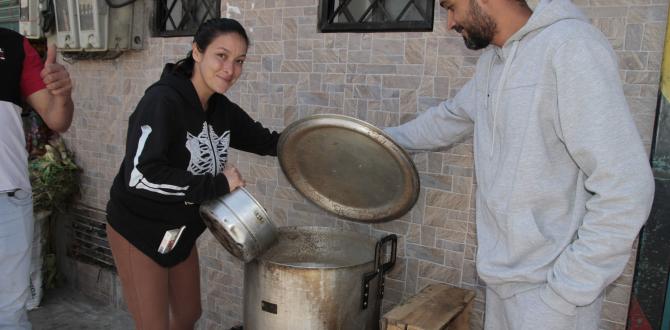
column 553, row 300
column 221, row 185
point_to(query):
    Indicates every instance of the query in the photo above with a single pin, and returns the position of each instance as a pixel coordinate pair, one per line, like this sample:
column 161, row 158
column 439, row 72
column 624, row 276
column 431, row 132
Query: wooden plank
column 431, row 309
column 395, row 327
column 462, row 320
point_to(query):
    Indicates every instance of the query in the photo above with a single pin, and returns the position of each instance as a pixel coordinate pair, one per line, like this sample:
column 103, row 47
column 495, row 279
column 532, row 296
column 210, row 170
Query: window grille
column 9, row 14
column 376, row 15
column 89, row 239
column 182, row 17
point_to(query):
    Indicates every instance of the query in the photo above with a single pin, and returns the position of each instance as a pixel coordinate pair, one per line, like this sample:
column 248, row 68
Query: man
column 563, row 181
column 46, row 88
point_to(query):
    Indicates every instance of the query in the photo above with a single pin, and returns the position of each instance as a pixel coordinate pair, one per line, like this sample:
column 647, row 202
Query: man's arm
column 600, row 135
column 54, row 103
column 439, row 126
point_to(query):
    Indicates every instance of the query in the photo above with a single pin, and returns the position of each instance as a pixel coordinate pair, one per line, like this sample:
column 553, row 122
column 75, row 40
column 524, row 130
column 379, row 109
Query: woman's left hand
column 234, row 177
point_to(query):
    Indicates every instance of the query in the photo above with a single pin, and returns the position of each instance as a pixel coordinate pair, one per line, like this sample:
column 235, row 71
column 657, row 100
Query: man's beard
column 480, row 31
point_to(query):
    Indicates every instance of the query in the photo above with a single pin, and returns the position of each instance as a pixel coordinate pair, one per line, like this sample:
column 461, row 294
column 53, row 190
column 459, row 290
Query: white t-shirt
column 14, row 160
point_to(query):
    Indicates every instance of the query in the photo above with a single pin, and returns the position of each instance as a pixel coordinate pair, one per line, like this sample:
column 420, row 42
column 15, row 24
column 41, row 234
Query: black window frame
column 328, row 11
column 164, row 15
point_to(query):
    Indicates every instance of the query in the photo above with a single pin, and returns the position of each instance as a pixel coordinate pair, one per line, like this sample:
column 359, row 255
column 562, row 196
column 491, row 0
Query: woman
column 176, row 151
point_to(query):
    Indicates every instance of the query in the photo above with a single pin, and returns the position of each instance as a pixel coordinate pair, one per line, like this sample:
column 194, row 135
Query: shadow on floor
column 65, row 308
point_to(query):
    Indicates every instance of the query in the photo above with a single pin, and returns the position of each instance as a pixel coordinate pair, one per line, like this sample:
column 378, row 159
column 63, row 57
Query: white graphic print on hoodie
column 563, row 181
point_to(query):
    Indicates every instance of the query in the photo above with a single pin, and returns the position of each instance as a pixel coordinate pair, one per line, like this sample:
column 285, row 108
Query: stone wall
column 384, row 78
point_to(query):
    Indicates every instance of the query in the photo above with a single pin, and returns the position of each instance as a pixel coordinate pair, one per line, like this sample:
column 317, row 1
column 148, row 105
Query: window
column 9, row 14
column 182, row 17
column 375, row 15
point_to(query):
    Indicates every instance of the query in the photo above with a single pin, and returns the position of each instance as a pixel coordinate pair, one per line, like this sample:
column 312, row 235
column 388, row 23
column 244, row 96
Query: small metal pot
column 239, row 223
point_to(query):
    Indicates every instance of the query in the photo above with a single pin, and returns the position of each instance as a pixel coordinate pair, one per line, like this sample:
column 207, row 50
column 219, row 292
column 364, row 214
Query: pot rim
column 266, row 256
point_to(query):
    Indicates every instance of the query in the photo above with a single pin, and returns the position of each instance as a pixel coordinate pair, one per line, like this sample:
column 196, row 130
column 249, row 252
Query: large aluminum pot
column 239, row 223
column 317, row 278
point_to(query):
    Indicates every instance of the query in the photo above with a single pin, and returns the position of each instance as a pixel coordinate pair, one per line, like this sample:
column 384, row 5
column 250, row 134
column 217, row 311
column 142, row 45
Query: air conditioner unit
column 99, row 31
column 93, row 22
column 67, row 34
column 30, row 19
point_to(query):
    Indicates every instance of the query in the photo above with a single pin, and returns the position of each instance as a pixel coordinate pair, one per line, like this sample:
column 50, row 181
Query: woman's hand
column 234, row 177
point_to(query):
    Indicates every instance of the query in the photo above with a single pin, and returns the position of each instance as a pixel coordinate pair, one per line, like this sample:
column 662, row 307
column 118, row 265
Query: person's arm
column 53, row 103
column 249, row 135
column 600, row 135
column 441, row 125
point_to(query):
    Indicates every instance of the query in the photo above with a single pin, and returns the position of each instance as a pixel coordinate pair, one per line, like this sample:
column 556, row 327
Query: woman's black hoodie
column 175, row 156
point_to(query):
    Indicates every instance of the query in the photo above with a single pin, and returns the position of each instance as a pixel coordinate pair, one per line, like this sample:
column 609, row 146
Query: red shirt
column 31, row 81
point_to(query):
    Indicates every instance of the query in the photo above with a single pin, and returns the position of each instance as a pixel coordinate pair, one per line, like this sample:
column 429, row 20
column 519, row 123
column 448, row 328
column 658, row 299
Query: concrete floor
column 68, row 309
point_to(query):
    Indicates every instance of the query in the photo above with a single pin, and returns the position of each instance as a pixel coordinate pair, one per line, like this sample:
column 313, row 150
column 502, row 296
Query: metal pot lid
column 349, row 168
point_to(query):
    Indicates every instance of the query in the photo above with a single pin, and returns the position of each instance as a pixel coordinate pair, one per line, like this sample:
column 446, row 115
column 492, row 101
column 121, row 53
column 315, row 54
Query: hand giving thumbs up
column 54, row 75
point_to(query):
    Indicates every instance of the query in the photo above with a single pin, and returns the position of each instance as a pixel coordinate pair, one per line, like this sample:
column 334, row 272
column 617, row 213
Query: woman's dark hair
column 207, row 32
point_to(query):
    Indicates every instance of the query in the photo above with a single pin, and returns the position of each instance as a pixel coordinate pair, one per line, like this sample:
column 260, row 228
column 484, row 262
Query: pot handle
column 380, row 268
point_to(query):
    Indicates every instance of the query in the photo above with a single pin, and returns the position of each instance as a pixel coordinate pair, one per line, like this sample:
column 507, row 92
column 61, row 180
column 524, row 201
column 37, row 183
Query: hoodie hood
column 179, row 83
column 547, row 13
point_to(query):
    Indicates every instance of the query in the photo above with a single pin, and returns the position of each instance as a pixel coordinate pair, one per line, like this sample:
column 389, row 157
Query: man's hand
column 54, row 75
column 54, row 103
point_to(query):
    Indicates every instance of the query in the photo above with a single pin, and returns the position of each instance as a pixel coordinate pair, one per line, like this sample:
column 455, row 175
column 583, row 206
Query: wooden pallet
column 436, row 307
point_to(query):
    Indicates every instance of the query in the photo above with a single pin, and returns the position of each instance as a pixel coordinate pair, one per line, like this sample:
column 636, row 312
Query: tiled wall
column 385, row 78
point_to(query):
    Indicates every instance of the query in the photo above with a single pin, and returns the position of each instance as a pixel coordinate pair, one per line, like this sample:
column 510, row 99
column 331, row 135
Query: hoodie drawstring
column 501, row 84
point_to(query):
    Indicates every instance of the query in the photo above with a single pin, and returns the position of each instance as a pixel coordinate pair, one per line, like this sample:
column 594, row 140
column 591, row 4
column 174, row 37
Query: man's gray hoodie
column 563, row 181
